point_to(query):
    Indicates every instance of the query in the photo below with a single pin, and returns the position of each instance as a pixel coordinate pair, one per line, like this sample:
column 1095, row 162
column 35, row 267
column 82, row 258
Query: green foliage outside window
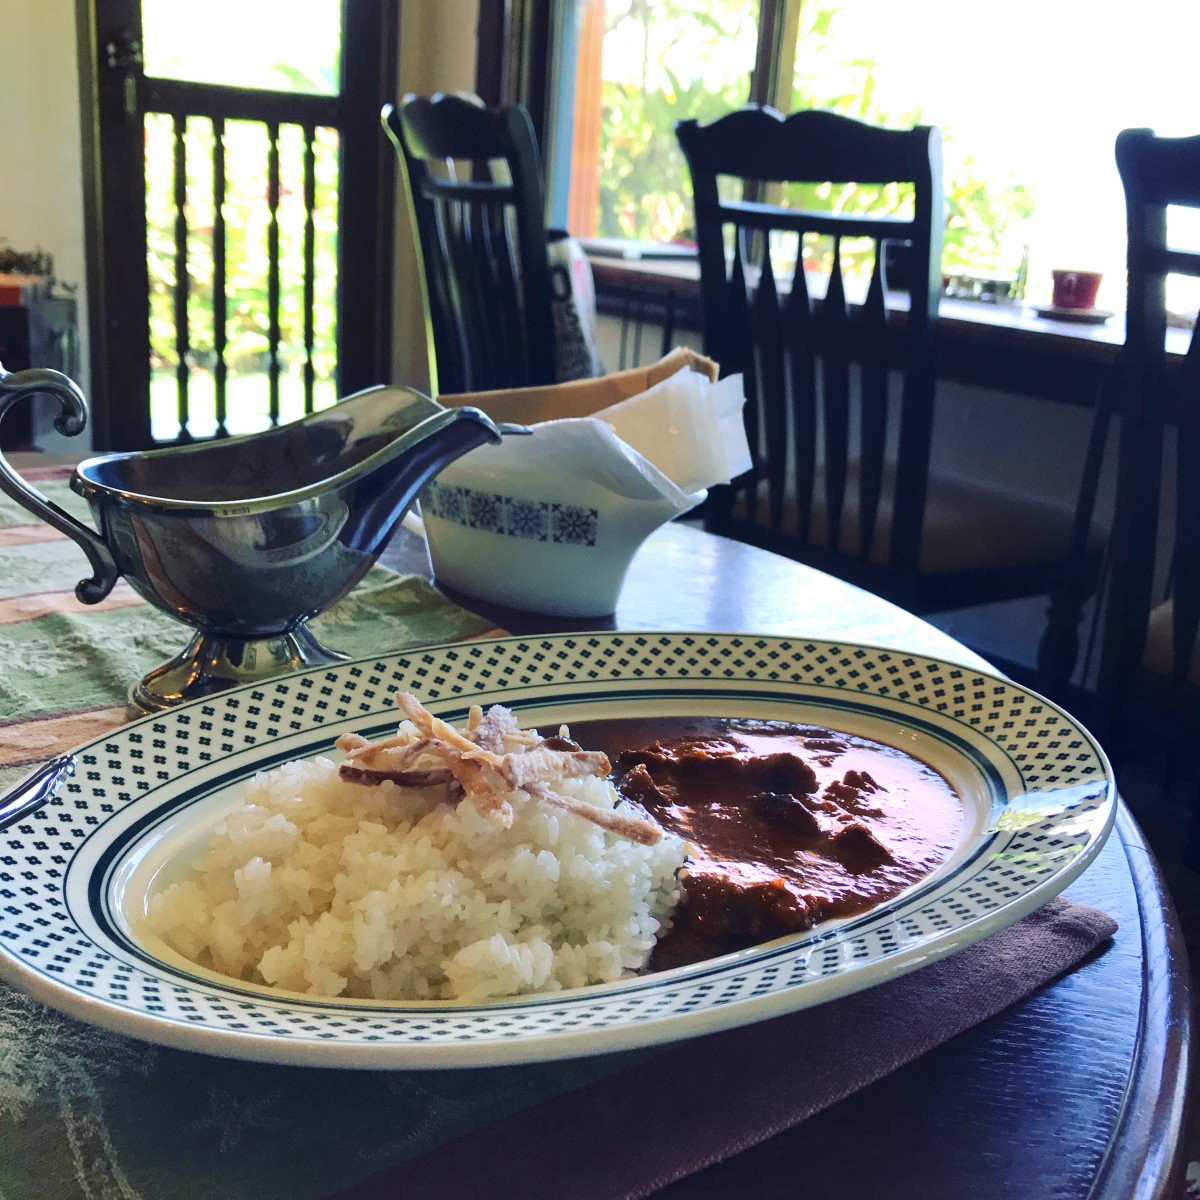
column 645, row 192
column 283, row 45
column 247, row 216
column 979, row 212
column 674, row 60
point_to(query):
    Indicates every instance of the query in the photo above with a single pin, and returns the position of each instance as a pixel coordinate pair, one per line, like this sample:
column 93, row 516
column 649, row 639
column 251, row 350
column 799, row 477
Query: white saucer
column 1085, row 316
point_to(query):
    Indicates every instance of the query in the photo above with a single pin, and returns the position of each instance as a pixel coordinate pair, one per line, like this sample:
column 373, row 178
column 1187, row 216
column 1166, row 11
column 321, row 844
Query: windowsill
column 1007, row 346
column 681, row 273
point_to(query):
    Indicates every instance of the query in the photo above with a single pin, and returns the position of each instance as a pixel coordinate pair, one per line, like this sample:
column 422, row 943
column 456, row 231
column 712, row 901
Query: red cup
column 1076, row 289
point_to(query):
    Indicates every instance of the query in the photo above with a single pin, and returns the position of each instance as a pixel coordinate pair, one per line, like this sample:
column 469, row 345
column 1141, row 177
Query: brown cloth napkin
column 704, row 1100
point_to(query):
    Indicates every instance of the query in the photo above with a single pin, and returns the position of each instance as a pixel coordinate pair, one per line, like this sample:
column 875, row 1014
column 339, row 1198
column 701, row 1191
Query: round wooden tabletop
column 1077, row 1091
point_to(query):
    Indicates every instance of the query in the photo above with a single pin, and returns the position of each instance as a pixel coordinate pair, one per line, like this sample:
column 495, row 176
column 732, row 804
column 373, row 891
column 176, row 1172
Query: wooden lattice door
column 241, row 196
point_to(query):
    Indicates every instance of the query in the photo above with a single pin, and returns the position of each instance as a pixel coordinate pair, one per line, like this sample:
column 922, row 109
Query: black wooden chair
column 841, row 394
column 474, row 181
column 1148, row 676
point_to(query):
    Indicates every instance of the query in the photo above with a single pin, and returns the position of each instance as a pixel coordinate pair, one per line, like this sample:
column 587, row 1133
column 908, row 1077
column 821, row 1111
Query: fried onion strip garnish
column 644, row 832
column 435, row 727
column 491, row 758
column 416, row 779
column 539, row 764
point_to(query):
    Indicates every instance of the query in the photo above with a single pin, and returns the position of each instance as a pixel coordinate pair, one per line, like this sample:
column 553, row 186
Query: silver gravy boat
column 246, row 538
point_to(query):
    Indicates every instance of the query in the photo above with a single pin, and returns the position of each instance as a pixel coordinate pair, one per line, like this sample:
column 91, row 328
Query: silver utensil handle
column 39, row 788
column 71, row 421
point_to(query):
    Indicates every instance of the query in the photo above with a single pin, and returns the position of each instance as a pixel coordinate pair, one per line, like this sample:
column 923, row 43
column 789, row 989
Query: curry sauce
column 789, row 824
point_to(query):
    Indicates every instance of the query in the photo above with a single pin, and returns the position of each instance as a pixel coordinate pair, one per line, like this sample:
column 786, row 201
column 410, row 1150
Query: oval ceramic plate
column 1037, row 790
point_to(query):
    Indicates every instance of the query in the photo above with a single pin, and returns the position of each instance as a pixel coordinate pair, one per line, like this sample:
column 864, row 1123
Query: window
column 640, row 68
column 286, row 45
column 1030, row 96
column 270, row 260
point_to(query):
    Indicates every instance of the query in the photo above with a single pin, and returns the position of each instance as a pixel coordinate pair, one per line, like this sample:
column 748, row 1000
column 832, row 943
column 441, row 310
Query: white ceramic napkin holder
column 550, row 523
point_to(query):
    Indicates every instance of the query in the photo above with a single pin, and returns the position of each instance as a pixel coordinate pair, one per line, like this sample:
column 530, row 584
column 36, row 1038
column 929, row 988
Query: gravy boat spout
column 246, row 538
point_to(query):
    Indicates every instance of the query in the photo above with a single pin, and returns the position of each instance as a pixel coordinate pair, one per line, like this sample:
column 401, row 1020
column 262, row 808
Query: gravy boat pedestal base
column 210, row 664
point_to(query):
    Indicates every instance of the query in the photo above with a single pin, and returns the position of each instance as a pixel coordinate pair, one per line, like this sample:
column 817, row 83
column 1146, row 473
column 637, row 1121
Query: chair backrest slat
column 475, row 187
column 835, row 377
column 489, row 297
column 874, row 408
column 771, row 389
column 1187, row 511
column 465, row 268
column 737, row 342
column 819, row 370
column 506, row 276
column 802, row 381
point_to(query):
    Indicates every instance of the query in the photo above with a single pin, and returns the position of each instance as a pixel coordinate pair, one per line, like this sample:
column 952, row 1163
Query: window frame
column 519, row 61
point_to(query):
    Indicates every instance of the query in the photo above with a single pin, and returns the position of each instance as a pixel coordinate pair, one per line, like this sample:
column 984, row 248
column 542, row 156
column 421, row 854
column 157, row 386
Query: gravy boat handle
column 71, row 421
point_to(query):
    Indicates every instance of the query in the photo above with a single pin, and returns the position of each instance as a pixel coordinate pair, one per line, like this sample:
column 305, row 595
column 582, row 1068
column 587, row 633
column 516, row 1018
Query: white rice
column 331, row 888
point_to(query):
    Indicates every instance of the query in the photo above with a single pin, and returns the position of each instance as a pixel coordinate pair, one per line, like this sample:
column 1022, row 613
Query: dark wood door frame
column 115, row 93
column 514, row 51
column 113, row 329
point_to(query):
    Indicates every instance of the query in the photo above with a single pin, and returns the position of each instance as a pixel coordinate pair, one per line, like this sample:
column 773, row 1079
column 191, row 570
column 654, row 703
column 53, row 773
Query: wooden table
column 1078, row 1091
